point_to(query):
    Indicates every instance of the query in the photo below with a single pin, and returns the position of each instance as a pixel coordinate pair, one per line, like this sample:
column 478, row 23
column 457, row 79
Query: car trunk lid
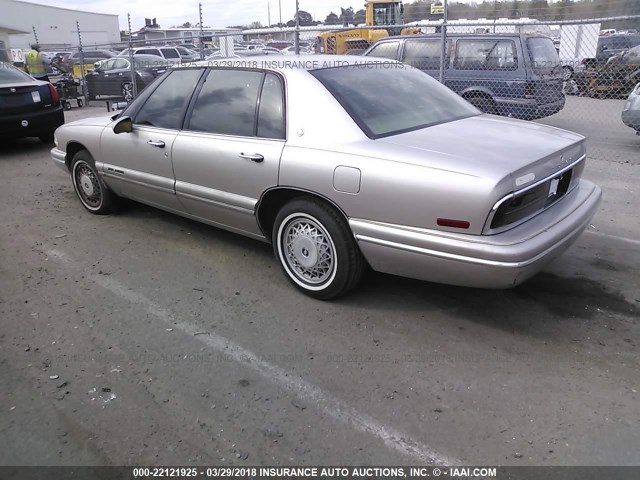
column 24, row 97
column 491, row 147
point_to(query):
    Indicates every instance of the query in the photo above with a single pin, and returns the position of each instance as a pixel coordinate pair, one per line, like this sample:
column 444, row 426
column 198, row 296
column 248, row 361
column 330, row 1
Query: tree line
column 490, row 9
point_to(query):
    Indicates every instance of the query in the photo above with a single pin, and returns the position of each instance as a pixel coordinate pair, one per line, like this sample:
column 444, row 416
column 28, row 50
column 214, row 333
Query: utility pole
column 280, row 10
column 201, row 32
column 268, row 14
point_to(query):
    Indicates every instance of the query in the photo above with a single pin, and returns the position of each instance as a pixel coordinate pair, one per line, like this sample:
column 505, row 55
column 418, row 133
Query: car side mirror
column 123, row 125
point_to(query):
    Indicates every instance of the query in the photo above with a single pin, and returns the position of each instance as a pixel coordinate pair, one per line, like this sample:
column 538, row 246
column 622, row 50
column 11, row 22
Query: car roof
column 290, row 62
column 466, row 35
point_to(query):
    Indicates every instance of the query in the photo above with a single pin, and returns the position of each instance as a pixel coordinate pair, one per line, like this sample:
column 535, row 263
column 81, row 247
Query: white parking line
column 615, row 237
column 327, row 403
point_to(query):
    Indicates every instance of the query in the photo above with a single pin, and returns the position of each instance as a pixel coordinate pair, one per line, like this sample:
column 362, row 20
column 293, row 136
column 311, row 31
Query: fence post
column 297, row 32
column 131, row 65
column 444, row 42
column 82, row 71
column 201, row 32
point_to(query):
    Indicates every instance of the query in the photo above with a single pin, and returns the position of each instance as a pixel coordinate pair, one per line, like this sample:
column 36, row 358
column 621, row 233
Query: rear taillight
column 530, row 90
column 55, row 99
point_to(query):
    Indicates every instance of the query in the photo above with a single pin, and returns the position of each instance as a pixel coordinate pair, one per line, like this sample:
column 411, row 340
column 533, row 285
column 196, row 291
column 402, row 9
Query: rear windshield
column 9, row 74
column 170, row 53
column 543, row 53
column 387, row 98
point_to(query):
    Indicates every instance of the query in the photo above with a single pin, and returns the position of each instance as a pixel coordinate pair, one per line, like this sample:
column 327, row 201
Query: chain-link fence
column 562, row 73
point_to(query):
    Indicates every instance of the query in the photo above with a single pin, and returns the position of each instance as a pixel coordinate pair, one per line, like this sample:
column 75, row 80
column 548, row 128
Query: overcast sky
column 217, row 13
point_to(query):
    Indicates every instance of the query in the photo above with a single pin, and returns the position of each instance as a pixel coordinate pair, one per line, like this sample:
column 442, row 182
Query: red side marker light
column 448, row 222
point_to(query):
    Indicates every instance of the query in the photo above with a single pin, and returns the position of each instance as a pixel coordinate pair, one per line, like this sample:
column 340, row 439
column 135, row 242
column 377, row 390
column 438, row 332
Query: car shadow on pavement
column 23, row 146
column 536, row 307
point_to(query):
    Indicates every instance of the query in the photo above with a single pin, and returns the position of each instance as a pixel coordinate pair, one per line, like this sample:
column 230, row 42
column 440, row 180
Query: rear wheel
column 316, row 249
column 483, row 103
column 94, row 195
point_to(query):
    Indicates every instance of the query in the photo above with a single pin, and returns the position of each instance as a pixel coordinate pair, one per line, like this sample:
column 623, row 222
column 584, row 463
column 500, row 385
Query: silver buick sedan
column 340, row 163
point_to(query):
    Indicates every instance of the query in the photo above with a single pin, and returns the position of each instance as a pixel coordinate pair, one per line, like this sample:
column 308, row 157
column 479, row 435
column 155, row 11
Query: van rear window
column 543, row 53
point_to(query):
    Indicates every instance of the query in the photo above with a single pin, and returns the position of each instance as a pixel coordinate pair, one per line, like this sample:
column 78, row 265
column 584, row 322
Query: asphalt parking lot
column 145, row 338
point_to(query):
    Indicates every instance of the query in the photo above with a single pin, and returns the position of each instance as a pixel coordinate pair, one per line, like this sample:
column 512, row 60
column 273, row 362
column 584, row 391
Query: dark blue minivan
column 515, row 75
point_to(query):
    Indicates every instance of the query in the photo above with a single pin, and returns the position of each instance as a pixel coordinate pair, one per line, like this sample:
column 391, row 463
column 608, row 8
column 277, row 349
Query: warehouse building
column 55, row 27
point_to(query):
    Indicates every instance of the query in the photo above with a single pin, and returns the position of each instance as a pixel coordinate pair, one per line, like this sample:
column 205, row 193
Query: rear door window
column 271, row 109
column 166, row 106
column 107, row 65
column 228, row 103
column 481, row 54
column 385, row 50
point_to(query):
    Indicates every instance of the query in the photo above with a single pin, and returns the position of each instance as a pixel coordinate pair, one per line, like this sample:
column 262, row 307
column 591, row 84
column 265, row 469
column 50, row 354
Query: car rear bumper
column 483, row 261
column 528, row 109
column 31, row 124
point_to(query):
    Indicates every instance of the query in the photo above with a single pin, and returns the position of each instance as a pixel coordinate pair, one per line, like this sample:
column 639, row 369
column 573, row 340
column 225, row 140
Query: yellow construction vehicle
column 378, row 13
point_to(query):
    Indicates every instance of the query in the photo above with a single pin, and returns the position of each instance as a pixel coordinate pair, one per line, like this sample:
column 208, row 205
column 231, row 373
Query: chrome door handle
column 159, row 144
column 254, row 158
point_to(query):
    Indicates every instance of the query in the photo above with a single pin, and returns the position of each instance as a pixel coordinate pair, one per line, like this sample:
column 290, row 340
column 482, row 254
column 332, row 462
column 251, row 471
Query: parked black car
column 89, row 57
column 28, row 107
column 113, row 77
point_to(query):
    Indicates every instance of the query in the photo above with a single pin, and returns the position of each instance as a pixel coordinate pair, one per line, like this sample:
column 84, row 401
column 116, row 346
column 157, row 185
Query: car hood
column 489, row 146
column 101, row 121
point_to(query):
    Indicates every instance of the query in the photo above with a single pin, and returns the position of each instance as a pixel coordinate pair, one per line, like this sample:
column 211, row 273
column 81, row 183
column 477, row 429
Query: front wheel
column 94, row 195
column 483, row 103
column 316, row 249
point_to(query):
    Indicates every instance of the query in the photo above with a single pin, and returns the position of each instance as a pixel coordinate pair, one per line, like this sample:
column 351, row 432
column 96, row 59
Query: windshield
column 391, row 98
column 543, row 53
column 386, row 14
column 10, row 74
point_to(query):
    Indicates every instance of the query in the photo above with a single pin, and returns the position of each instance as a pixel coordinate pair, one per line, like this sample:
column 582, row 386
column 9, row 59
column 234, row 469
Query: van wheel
column 483, row 103
column 316, row 249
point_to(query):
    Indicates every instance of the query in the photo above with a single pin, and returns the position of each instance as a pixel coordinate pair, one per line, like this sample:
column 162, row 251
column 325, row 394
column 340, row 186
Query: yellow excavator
column 378, row 13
